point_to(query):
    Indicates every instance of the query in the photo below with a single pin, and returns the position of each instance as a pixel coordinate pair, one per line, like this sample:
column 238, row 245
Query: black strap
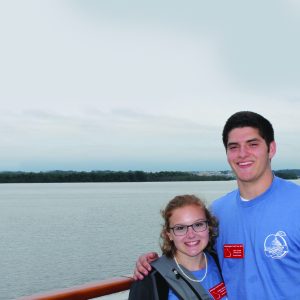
column 215, row 257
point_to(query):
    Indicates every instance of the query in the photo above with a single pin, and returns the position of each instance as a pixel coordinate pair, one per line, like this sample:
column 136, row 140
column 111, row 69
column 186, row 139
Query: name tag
column 233, row 251
column 218, row 291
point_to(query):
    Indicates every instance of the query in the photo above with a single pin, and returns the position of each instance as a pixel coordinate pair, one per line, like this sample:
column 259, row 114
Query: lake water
column 59, row 235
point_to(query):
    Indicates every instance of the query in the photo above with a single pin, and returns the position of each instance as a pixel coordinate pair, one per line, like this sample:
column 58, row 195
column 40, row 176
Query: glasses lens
column 200, row 226
column 180, row 230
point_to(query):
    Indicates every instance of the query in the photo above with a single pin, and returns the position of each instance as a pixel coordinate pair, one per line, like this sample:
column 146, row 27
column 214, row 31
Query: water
column 54, row 236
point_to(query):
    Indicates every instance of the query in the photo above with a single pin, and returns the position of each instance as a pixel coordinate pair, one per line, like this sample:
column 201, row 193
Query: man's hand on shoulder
column 143, row 266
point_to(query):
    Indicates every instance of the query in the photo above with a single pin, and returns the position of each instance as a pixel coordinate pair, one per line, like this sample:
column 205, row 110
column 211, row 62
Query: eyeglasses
column 183, row 229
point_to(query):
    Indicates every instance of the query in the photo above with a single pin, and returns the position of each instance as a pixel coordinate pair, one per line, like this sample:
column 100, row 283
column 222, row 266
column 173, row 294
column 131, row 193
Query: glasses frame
column 187, row 227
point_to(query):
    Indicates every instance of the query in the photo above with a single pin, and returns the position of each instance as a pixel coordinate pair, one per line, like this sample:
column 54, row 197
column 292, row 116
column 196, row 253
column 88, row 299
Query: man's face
column 248, row 155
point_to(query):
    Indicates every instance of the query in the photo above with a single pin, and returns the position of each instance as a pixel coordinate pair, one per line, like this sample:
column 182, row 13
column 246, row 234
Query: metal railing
column 87, row 291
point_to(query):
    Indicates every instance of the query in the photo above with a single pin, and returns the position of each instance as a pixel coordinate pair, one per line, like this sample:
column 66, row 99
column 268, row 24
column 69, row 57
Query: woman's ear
column 169, row 235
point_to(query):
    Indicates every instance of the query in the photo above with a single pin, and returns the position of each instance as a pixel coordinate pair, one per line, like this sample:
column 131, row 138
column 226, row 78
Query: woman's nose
column 190, row 232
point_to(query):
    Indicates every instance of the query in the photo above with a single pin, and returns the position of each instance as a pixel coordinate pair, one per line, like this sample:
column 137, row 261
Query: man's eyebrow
column 253, row 140
column 248, row 141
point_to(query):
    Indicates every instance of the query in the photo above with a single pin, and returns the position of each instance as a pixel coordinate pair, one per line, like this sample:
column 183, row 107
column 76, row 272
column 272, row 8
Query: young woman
column 186, row 270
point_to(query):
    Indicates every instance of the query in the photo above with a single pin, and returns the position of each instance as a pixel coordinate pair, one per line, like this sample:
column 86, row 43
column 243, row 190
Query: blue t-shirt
column 259, row 243
column 212, row 283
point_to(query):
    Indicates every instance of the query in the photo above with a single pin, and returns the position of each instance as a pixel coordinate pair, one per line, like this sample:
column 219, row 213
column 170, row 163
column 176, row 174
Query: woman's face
column 192, row 243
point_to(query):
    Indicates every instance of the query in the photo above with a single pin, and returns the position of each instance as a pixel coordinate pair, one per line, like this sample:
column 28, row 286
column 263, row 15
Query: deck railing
column 87, row 291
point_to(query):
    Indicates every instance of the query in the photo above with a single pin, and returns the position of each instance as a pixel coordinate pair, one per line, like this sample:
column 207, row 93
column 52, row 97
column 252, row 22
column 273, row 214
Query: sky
column 143, row 85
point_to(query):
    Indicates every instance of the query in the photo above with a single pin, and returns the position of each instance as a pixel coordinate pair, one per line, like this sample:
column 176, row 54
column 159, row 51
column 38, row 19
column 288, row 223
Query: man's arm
column 143, row 266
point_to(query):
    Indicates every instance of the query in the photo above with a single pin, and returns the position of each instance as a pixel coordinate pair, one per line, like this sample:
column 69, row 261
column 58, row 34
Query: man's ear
column 272, row 150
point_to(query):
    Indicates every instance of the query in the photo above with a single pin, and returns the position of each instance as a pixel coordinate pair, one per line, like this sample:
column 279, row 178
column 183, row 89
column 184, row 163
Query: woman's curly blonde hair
column 167, row 246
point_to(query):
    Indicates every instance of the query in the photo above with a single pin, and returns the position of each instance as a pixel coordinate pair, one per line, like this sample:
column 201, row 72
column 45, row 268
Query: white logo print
column 275, row 245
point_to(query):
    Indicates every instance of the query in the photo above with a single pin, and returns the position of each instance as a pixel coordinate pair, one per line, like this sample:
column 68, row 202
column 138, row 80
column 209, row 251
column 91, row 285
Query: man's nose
column 243, row 151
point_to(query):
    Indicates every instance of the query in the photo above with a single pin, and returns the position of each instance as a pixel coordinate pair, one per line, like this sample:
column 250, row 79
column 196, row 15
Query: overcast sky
column 143, row 85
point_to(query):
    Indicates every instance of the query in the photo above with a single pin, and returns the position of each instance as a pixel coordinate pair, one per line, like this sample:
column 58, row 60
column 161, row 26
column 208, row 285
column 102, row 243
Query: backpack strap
column 184, row 288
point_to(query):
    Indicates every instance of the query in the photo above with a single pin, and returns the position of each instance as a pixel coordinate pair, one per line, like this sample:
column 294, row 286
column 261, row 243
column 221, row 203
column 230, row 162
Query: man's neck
column 252, row 189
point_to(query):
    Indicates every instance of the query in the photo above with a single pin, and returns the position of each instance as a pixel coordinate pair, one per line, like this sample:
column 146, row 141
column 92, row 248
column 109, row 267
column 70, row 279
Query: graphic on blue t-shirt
column 275, row 245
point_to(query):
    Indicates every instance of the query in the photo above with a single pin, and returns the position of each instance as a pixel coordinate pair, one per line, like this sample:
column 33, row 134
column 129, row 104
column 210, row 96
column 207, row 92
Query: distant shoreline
column 129, row 176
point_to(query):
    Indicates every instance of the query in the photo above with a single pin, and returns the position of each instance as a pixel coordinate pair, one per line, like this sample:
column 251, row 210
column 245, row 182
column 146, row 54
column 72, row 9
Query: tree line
column 120, row 176
column 104, row 176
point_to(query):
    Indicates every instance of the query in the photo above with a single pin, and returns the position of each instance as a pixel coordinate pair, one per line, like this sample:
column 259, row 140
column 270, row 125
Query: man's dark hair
column 249, row 119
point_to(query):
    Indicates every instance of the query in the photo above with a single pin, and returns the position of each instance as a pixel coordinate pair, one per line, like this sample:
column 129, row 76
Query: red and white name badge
column 218, row 291
column 233, row 251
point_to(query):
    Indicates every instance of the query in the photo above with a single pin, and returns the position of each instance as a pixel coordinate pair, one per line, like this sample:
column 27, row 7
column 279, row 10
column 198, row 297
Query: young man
column 259, row 240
